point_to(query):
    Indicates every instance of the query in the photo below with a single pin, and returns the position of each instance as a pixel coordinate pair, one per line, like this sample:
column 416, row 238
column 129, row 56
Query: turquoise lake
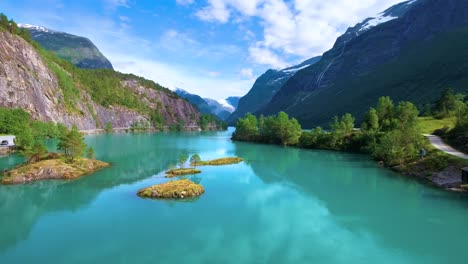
column 282, row 205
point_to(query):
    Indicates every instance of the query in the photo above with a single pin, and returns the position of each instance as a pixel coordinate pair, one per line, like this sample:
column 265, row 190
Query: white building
column 7, row 141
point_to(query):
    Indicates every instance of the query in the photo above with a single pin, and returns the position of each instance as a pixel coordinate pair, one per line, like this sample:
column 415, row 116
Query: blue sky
column 215, row 48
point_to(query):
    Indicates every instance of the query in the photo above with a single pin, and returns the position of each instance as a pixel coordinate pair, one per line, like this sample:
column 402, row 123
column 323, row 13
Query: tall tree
column 385, row 112
column 347, row 123
column 371, row 120
column 72, row 144
column 246, row 127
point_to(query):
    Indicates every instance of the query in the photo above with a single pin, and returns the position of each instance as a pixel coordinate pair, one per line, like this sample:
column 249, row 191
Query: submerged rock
column 178, row 189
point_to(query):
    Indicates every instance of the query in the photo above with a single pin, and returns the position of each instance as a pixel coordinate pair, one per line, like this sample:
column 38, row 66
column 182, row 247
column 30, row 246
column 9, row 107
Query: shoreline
column 441, row 179
column 124, row 130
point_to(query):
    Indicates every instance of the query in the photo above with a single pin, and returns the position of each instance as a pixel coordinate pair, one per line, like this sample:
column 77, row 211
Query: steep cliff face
column 408, row 52
column 26, row 82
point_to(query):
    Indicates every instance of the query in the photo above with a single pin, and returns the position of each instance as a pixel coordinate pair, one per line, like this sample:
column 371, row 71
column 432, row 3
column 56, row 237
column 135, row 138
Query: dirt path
column 439, row 144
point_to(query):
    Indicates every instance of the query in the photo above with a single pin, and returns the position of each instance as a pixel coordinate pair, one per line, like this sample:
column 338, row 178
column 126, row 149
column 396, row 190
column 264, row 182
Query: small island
column 181, row 171
column 56, row 168
column 42, row 165
column 178, row 189
column 218, row 162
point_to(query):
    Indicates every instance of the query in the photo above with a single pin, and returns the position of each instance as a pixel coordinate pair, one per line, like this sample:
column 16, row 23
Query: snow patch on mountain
column 294, row 70
column 226, row 105
column 375, row 21
column 38, row 28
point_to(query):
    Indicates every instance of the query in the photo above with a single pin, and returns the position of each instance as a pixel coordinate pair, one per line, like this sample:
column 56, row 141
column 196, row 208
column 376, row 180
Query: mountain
column 411, row 51
column 233, row 101
column 195, row 100
column 52, row 89
column 222, row 109
column 78, row 50
column 265, row 87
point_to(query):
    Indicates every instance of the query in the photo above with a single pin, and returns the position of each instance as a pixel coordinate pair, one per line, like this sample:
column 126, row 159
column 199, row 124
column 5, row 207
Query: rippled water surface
column 282, row 205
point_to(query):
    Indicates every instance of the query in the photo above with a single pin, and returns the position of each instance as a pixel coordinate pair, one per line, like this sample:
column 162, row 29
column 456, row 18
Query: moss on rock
column 218, row 162
column 183, row 171
column 179, row 189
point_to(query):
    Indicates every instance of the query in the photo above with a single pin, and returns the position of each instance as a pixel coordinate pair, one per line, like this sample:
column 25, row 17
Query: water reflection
column 363, row 196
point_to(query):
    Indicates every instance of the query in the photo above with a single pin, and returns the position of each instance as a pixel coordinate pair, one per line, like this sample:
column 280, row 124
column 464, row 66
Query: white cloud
column 184, row 2
column 247, row 73
column 124, row 18
column 263, row 55
column 302, row 28
column 216, row 11
column 214, row 74
column 118, row 3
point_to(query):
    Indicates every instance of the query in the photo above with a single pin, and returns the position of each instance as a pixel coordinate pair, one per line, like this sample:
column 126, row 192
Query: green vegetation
column 206, row 120
column 72, row 144
column 390, row 133
column 429, row 124
column 12, row 27
column 194, row 160
column 277, row 130
column 108, row 127
column 29, row 133
column 90, row 153
column 453, row 106
column 182, row 160
column 181, row 171
column 179, row 189
column 140, row 125
column 218, row 162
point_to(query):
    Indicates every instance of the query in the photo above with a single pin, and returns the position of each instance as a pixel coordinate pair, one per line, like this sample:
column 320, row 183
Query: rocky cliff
column 27, row 82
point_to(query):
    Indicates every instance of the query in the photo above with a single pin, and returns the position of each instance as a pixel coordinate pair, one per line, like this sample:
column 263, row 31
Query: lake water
column 283, row 205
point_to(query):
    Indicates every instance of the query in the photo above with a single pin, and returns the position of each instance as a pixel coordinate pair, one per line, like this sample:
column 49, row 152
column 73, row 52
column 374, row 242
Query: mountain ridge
column 265, row 87
column 80, row 51
column 322, row 90
column 222, row 109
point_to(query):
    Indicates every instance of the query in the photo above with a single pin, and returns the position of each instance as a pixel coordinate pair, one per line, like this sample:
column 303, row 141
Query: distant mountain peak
column 226, row 105
column 37, row 28
column 78, row 50
column 389, row 14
